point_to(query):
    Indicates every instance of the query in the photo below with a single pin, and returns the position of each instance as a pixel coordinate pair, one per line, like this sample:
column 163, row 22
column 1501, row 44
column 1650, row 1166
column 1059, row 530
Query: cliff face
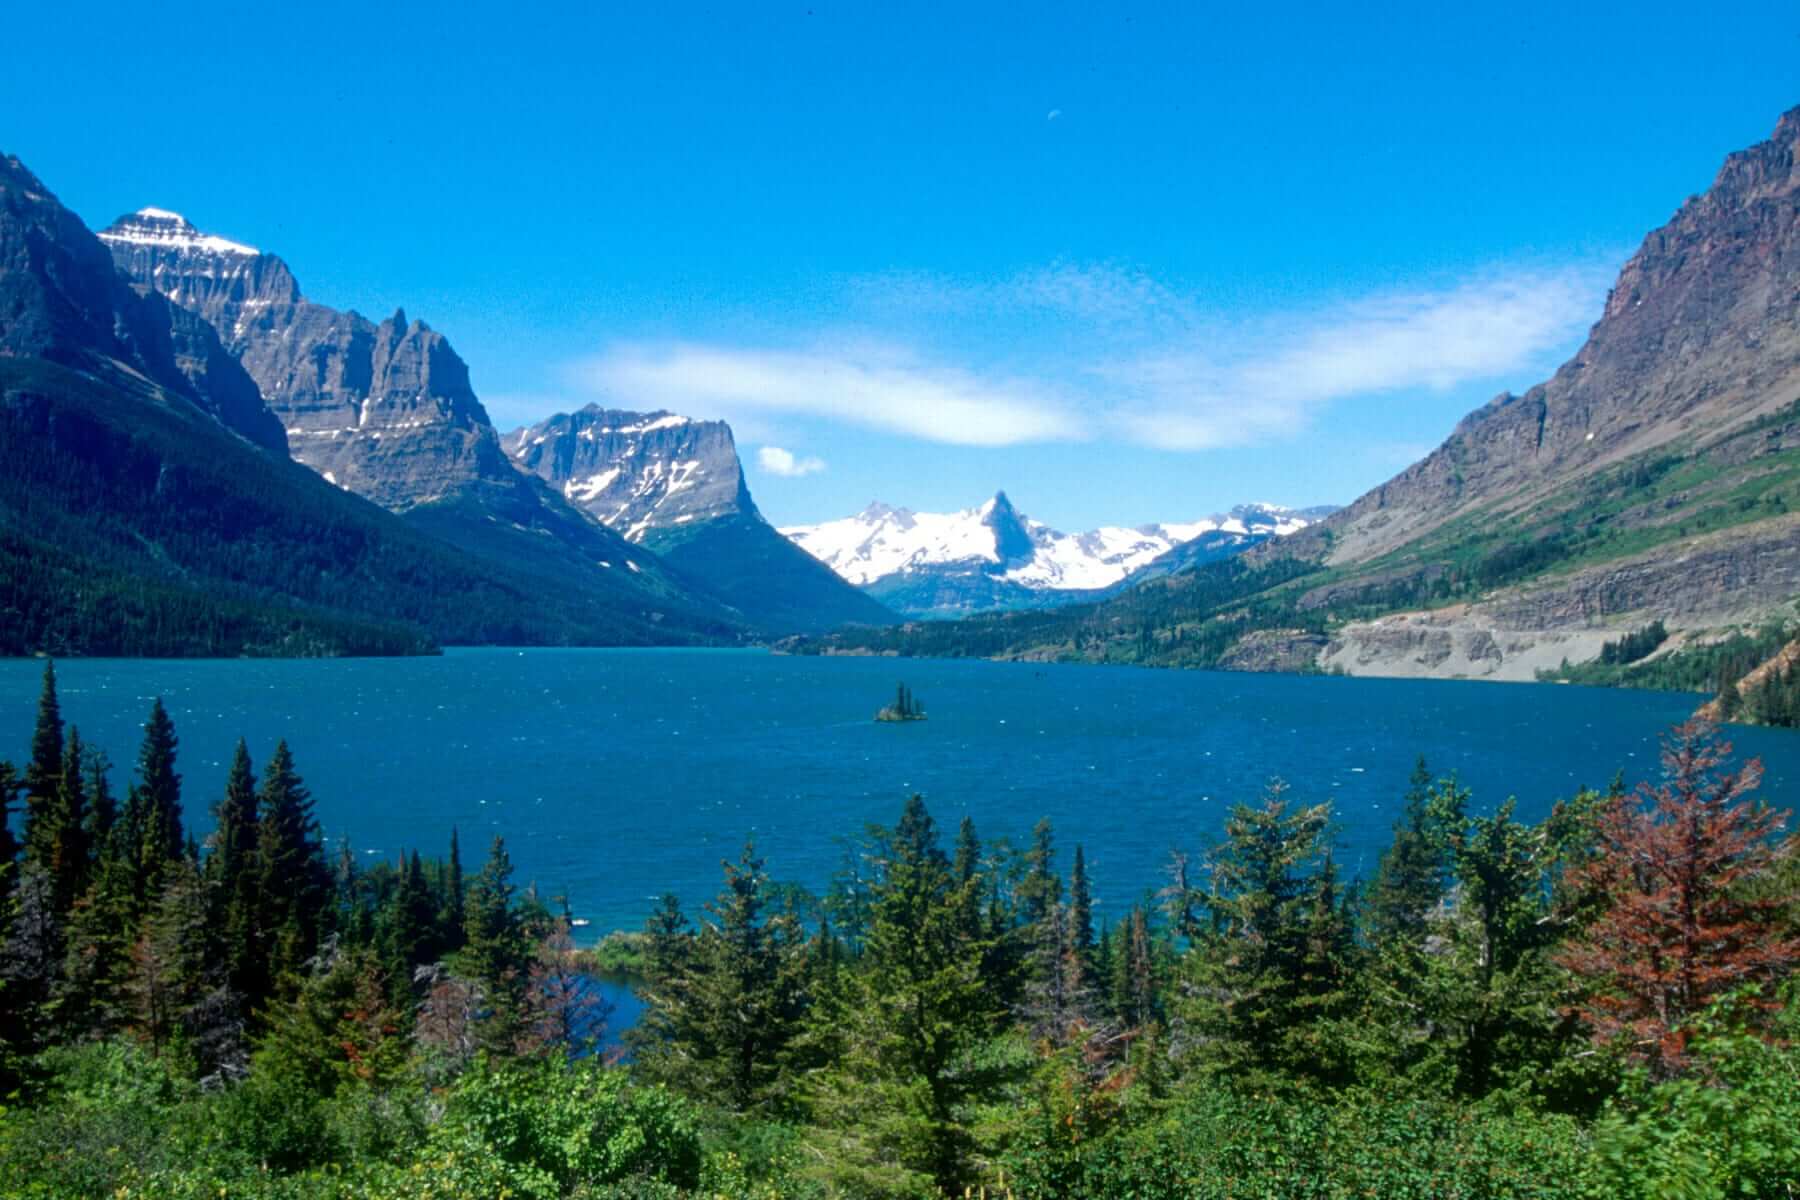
column 385, row 410
column 643, row 474
column 1700, row 334
column 676, row 486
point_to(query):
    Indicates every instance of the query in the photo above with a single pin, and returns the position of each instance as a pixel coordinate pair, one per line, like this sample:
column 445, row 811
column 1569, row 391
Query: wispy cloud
column 865, row 384
column 785, row 463
column 1074, row 353
column 1270, row 383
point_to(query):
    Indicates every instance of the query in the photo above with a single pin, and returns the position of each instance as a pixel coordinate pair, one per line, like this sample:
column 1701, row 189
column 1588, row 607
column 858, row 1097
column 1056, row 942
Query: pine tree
column 497, row 951
column 155, row 806
column 178, row 980
column 450, row 921
column 293, row 884
column 1080, row 919
column 905, row 1033
column 406, row 928
column 1261, row 986
column 1414, row 869
column 43, row 771
column 735, row 1008
column 30, row 962
column 1680, row 928
column 1041, row 889
column 232, row 872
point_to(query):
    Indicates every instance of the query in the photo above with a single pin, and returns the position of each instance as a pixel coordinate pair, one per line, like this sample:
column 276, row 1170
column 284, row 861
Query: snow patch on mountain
column 170, row 231
column 883, row 541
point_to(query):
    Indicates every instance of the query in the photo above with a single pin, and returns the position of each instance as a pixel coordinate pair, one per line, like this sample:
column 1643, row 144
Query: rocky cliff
column 676, row 486
column 1700, row 335
column 382, row 409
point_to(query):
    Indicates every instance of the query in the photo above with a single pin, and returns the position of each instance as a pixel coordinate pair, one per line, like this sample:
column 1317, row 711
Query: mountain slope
column 147, row 508
column 994, row 557
column 386, row 410
column 675, row 486
column 1655, row 476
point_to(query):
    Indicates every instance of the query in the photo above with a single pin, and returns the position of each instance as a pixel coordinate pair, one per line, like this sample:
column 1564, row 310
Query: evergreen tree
column 43, row 770
column 1261, row 984
column 1414, row 869
column 732, row 1013
column 30, row 962
column 232, row 870
column 154, row 806
column 1041, row 889
column 497, row 950
column 183, row 1001
column 406, row 928
column 1081, row 925
column 906, row 1031
column 293, row 884
column 450, row 921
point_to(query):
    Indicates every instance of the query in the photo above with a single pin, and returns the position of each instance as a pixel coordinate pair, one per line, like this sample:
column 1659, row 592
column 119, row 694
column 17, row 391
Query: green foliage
column 1220, row 1144
column 1730, row 1129
column 548, row 1128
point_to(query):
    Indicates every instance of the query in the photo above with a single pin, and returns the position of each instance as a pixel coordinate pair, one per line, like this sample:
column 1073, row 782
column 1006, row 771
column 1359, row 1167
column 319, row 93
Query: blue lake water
column 615, row 775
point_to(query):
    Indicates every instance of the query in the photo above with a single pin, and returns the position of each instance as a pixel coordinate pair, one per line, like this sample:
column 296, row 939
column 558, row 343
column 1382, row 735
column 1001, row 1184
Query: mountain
column 676, row 486
column 1653, row 477
column 148, row 505
column 386, row 410
column 994, row 557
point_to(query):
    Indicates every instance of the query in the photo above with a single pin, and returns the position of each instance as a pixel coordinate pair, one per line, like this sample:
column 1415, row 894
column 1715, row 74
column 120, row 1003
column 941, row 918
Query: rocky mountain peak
column 62, row 299
column 171, row 231
column 637, row 472
column 1012, row 538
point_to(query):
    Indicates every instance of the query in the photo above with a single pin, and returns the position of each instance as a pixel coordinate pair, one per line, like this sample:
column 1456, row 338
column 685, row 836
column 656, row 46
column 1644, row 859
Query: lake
column 616, row 775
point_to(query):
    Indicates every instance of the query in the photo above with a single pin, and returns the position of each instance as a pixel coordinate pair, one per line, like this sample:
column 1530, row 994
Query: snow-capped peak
column 997, row 539
column 164, row 230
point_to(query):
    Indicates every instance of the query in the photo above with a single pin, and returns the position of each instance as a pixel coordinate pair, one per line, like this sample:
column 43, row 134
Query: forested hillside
column 1503, row 1010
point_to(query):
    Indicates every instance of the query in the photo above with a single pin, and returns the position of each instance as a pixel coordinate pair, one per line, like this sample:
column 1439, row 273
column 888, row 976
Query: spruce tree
column 293, row 884
column 1414, row 869
column 43, row 771
column 904, row 1035
column 1080, row 919
column 233, row 873
column 1041, row 889
column 497, row 950
column 731, row 1015
column 450, row 921
column 155, row 805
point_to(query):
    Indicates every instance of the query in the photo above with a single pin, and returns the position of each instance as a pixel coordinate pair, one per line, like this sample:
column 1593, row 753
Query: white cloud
column 1076, row 353
column 1267, row 384
column 784, row 463
column 877, row 387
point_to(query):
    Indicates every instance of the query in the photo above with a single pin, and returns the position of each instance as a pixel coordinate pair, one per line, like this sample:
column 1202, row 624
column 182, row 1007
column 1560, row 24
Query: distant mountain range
column 1654, row 477
column 994, row 557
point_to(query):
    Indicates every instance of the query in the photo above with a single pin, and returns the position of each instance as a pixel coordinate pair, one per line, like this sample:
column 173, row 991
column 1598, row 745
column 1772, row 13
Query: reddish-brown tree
column 1677, row 929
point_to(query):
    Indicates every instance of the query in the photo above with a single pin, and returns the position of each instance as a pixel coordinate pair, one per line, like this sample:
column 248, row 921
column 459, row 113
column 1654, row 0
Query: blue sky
column 1129, row 263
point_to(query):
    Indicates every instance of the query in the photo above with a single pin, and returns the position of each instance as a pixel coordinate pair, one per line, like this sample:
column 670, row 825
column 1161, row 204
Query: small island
column 904, row 707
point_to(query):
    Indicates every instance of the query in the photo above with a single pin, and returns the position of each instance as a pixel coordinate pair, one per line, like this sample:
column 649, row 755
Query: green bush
column 545, row 1129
